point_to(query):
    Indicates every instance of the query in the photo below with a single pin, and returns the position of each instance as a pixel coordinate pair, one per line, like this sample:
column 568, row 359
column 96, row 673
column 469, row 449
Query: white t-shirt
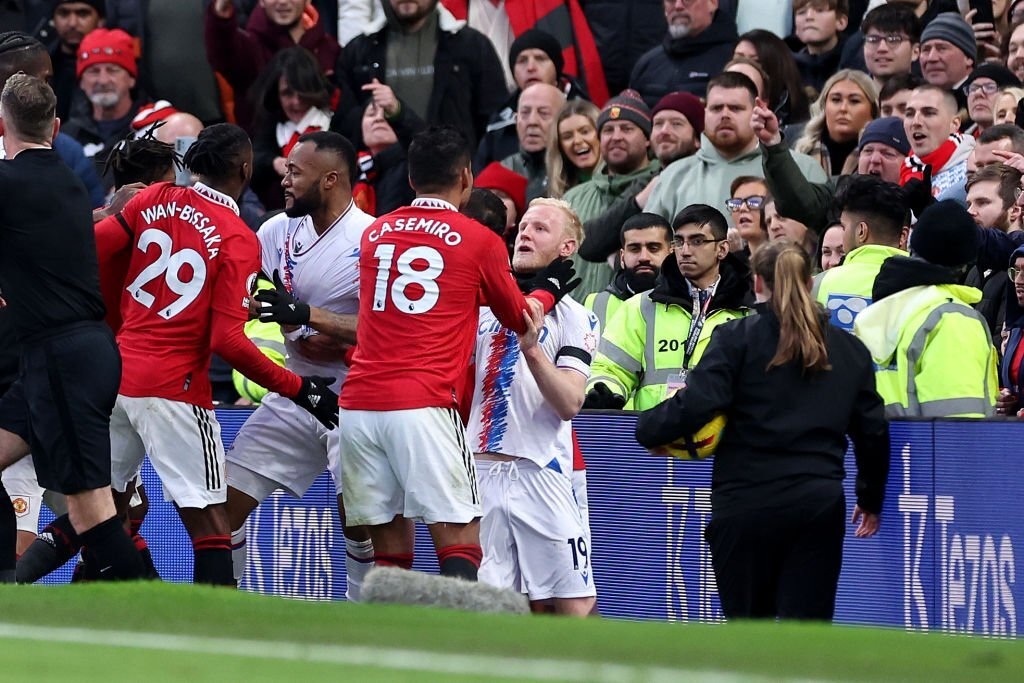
column 322, row 271
column 509, row 416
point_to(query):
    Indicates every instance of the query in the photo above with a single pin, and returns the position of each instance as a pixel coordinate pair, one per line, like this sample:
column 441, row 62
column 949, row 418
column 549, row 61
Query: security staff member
column 792, row 387
column 656, row 338
column 872, row 213
column 645, row 241
column 70, row 367
column 933, row 350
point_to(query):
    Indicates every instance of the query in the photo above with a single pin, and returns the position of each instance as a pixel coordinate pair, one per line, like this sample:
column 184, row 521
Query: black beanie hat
column 535, row 39
column 946, row 235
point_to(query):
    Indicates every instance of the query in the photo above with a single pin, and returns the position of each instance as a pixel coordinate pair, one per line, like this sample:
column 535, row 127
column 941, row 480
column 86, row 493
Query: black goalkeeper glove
column 282, row 306
column 919, row 192
column 557, row 278
column 601, row 397
column 317, row 398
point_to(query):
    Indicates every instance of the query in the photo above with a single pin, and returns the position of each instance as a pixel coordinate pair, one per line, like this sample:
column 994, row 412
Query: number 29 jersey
column 191, row 257
column 424, row 272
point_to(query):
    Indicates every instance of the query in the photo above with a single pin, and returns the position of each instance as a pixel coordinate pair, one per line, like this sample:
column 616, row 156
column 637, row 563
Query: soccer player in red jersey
column 424, row 272
column 193, row 263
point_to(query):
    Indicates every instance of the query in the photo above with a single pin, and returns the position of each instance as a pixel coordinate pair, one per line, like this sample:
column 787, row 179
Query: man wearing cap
column 933, row 351
column 882, row 149
column 948, row 53
column 982, row 88
column 72, row 21
column 538, row 106
column 729, row 149
column 535, row 57
column 106, row 71
column 677, row 123
column 624, row 130
column 700, row 41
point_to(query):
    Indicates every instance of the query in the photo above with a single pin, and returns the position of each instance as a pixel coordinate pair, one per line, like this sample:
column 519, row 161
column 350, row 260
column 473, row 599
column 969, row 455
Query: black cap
column 536, row 39
column 946, row 235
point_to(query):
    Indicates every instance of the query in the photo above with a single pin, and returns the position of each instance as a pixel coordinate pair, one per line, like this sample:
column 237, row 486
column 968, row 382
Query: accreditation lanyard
column 697, row 318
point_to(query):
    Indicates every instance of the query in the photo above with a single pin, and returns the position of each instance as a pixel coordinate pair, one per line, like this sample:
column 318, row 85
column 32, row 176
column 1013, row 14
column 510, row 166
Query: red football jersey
column 424, row 272
column 186, row 293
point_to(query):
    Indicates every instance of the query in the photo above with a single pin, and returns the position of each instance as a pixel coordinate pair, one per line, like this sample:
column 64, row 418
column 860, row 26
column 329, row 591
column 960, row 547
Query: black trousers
column 781, row 561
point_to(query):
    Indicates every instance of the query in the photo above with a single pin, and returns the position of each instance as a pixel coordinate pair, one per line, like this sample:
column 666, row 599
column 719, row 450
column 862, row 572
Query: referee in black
column 70, row 367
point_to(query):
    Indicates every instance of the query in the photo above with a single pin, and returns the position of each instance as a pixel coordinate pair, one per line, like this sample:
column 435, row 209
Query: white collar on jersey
column 215, row 196
column 295, row 249
column 433, row 203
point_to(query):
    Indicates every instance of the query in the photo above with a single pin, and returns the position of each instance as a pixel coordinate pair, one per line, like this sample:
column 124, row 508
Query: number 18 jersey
column 424, row 271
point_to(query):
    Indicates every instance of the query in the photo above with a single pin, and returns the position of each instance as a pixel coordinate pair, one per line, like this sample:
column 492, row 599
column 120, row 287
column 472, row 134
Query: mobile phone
column 983, row 9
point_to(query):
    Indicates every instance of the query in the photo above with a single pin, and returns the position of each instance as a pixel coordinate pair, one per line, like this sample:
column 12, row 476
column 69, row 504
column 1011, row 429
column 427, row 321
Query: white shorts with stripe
column 413, row 463
column 281, row 446
column 533, row 537
column 182, row 441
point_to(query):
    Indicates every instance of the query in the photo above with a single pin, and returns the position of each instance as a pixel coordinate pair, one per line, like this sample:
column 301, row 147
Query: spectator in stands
column 872, row 213
column 848, row 102
column 624, row 128
column 1014, row 53
column 385, row 133
column 72, row 21
column 786, row 94
column 832, row 250
column 933, row 352
column 106, row 71
column 782, row 227
column 949, row 51
column 982, row 88
column 574, row 150
column 1006, row 105
column 241, row 54
column 892, row 41
column 623, row 32
column 1000, row 138
column 753, row 71
column 293, row 98
column 447, row 72
column 699, row 42
column 538, row 106
column 729, row 148
column 632, row 368
column 1011, row 375
column 677, row 124
column 488, row 209
column 646, row 242
column 819, row 25
column 536, row 57
column 510, row 187
column 746, row 204
column 894, row 95
column 931, row 121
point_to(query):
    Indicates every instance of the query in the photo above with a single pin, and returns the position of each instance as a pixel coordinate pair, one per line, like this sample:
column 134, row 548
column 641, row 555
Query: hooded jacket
column 705, row 177
column 1015, row 328
column 643, row 347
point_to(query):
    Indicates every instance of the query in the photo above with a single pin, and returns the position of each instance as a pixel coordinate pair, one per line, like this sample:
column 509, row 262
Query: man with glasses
column 892, row 35
column 656, row 337
column 981, row 89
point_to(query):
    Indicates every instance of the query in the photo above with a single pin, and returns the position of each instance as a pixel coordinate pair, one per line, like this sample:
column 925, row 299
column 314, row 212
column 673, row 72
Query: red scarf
column 565, row 20
column 294, row 139
column 364, row 194
column 913, row 165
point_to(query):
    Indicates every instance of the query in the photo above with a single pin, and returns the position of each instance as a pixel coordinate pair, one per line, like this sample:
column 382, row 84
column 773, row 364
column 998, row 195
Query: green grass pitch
column 169, row 632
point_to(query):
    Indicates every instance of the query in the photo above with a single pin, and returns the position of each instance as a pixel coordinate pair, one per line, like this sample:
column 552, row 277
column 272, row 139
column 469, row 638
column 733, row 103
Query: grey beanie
column 951, row 27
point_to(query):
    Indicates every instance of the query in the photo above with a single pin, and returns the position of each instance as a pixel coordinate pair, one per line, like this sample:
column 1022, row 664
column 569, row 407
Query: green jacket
column 933, row 352
column 845, row 290
column 795, row 195
column 589, row 200
column 705, row 177
column 643, row 347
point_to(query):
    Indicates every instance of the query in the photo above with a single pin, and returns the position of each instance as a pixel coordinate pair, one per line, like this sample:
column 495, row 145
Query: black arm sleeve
column 795, row 196
column 869, row 431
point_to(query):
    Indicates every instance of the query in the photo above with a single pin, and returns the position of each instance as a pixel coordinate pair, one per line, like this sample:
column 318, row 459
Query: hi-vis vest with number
column 933, row 352
column 845, row 290
column 643, row 345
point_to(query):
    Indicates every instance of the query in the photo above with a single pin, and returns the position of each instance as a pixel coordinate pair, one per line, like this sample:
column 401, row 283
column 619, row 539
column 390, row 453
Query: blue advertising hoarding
column 943, row 560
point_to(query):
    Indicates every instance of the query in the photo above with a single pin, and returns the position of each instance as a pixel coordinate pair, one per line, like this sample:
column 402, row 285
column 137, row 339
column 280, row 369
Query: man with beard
column 72, row 20
column 311, row 251
column 646, row 240
column 656, row 337
column 676, row 125
column 728, row 149
column 106, row 71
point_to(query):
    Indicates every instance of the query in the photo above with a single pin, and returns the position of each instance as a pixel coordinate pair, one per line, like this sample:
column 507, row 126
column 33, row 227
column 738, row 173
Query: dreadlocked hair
column 217, row 152
column 142, row 159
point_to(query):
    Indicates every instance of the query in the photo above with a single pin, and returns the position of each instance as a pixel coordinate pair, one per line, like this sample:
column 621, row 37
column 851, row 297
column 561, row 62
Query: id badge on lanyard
column 698, row 315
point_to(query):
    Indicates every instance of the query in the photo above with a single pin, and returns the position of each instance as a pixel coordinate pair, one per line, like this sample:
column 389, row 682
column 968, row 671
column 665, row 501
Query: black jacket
column 685, row 63
column 623, row 31
column 469, row 83
column 786, row 433
column 733, row 290
column 603, row 231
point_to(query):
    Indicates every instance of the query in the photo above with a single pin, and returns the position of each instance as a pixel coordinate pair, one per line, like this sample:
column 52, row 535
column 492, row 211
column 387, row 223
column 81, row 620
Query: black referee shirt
column 48, row 268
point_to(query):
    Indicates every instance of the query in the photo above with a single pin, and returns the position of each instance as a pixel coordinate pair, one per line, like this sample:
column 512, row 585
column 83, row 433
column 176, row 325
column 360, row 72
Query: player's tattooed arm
column 342, row 327
column 117, row 201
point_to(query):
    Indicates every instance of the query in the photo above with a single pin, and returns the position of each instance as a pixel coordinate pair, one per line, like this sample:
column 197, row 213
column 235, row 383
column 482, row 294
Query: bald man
column 536, row 112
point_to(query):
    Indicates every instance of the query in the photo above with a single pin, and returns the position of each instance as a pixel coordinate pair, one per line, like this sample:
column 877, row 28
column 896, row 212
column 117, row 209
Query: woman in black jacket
column 792, row 388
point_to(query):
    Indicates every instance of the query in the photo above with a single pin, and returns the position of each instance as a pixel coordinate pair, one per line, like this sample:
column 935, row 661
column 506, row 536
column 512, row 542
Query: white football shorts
column 532, row 534
column 413, row 463
column 183, row 443
column 281, row 446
